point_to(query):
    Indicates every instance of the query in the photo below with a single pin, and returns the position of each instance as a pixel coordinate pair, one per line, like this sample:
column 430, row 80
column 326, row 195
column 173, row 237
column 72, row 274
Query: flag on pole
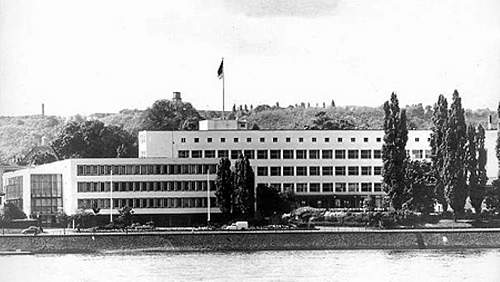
column 220, row 71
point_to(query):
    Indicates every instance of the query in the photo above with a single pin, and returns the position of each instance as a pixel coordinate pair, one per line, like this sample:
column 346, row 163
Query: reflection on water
column 335, row 265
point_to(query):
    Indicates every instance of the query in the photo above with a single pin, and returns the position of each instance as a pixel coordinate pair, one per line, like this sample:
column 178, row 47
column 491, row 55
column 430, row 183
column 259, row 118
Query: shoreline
column 258, row 240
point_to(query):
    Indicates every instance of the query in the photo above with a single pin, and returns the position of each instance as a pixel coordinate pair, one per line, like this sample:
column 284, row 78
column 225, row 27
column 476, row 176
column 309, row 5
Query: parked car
column 32, row 230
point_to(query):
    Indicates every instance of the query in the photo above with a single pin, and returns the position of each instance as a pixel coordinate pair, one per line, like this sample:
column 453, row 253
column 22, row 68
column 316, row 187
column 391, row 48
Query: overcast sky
column 104, row 56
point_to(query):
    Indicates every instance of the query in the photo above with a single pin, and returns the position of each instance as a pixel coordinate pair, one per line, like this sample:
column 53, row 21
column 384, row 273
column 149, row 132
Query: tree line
column 457, row 170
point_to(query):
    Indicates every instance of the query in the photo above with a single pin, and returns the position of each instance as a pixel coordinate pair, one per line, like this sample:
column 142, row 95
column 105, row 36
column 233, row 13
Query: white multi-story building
column 334, row 168
column 168, row 182
column 168, row 191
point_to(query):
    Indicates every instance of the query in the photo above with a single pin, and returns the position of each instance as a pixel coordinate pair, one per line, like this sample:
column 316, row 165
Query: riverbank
column 252, row 240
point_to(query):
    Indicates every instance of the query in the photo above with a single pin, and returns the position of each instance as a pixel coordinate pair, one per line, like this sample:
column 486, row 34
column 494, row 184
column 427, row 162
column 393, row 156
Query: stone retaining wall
column 251, row 241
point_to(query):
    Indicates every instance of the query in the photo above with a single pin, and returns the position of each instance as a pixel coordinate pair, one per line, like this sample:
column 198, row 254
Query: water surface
column 334, row 265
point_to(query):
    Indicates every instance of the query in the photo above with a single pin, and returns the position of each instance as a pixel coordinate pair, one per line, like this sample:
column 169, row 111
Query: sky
column 82, row 57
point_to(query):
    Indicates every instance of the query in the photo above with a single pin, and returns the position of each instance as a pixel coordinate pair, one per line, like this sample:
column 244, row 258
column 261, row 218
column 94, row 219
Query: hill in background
column 19, row 134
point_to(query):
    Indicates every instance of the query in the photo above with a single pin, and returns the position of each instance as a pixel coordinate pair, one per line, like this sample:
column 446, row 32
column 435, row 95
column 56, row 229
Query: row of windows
column 287, row 139
column 46, row 205
column 317, row 170
column 172, row 169
column 283, row 154
column 147, row 203
column 276, row 139
column 46, row 185
column 144, row 186
column 328, row 187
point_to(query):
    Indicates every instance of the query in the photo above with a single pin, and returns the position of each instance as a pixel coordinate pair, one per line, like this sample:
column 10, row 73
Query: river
column 332, row 265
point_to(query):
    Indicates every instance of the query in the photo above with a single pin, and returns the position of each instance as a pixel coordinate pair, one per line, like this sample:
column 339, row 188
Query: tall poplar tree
column 498, row 139
column 454, row 173
column 439, row 119
column 224, row 187
column 244, row 184
column 393, row 151
column 472, row 169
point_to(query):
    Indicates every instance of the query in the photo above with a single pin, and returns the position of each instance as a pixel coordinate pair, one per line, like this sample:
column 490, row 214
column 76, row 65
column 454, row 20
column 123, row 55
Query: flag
column 220, row 71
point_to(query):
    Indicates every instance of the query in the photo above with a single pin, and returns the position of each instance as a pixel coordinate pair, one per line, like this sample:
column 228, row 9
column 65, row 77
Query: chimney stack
column 177, row 97
column 490, row 122
column 43, row 109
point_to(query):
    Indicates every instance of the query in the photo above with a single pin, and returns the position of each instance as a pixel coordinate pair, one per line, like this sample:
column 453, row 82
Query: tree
column 393, row 151
column 125, row 216
column 454, row 174
column 419, row 192
column 11, row 211
column 224, row 187
column 170, row 115
column 471, row 166
column 244, row 183
column 498, row 139
column 332, row 104
column 93, row 139
column 42, row 158
column 439, row 119
column 269, row 200
column 63, row 219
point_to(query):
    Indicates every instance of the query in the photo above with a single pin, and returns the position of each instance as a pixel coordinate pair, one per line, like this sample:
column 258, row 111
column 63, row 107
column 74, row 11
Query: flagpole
column 223, row 88
column 208, row 196
column 111, row 195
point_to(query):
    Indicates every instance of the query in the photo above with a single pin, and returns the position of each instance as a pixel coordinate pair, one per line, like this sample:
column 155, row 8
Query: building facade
column 325, row 168
column 167, row 191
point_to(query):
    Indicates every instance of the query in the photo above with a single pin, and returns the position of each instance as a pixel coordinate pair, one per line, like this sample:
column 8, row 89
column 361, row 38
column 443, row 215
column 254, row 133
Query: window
column 339, row 140
column 183, row 140
column 288, row 139
column 275, row 171
column 275, row 154
column 353, row 154
column 327, row 170
column 313, row 139
column 301, row 171
column 366, row 154
column 353, row 170
column 209, row 140
column 301, row 139
column 250, row 154
column 365, row 139
column 327, row 140
column 262, row 170
column 377, row 170
column 262, row 139
column 261, row 154
column 340, row 187
column 327, row 154
column 314, row 154
column 287, row 154
column 379, row 139
column 377, row 154
column 196, row 154
column 327, row 187
column 300, row 154
column 196, row 140
column 428, row 154
column 222, row 153
column 314, row 170
column 366, row 187
column 301, row 187
column 288, row 171
column 183, row 154
column 340, row 154
column 236, row 140
column 417, row 154
column 417, row 139
column 287, row 187
column 377, row 187
column 275, row 139
column 340, row 170
column 353, row 139
column 223, row 140
column 249, row 140
column 366, row 170
column 235, row 154
column 353, row 187
column 314, row 187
